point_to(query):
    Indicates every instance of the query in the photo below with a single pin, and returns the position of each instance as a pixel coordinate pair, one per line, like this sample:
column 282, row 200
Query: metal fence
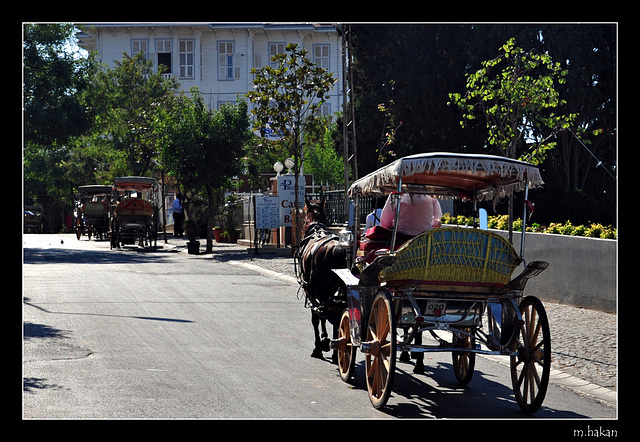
column 335, row 207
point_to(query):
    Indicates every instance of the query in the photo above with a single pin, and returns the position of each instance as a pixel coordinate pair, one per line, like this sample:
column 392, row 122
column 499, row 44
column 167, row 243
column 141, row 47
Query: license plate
column 435, row 308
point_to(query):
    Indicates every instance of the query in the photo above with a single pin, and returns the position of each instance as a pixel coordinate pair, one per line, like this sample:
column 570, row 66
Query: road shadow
column 44, row 331
column 31, row 330
column 99, row 256
column 437, row 394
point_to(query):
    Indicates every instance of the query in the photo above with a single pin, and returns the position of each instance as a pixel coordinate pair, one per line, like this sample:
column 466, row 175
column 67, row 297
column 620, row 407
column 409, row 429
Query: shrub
column 501, row 222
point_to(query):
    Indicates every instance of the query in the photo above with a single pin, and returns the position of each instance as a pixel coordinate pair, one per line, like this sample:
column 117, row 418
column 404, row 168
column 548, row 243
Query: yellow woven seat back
column 454, row 255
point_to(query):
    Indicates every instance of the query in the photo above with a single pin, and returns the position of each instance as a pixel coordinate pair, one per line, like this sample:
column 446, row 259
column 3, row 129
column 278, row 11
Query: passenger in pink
column 418, row 213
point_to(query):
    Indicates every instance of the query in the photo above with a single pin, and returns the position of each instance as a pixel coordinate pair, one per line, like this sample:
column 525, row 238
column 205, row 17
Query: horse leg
column 317, row 350
column 325, row 342
column 419, row 356
column 404, row 356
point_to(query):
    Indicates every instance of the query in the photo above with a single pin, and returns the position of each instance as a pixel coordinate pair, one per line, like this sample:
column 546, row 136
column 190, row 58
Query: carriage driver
column 418, row 213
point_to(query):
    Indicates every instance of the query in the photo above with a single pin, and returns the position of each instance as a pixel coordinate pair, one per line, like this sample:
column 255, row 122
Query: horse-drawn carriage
column 134, row 215
column 33, row 219
column 92, row 211
column 454, row 283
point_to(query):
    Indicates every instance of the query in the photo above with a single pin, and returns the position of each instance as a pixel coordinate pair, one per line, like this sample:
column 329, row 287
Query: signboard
column 267, row 212
column 287, row 197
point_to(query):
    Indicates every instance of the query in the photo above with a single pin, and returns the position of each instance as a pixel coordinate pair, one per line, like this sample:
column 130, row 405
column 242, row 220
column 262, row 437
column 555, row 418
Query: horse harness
column 318, row 231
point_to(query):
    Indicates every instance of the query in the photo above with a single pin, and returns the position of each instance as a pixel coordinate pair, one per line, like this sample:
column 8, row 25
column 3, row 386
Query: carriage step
column 534, row 268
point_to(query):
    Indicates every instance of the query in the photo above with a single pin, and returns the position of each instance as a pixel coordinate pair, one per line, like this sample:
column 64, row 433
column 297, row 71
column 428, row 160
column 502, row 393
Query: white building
column 218, row 57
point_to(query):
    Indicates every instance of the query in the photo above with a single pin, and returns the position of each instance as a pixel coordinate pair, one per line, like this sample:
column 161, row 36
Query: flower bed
column 501, row 222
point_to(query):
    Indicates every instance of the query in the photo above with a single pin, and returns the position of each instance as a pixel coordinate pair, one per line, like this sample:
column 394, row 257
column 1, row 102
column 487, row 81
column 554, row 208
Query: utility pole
column 348, row 110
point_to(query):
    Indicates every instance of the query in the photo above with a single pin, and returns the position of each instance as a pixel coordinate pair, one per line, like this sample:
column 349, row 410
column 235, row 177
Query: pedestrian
column 373, row 219
column 178, row 215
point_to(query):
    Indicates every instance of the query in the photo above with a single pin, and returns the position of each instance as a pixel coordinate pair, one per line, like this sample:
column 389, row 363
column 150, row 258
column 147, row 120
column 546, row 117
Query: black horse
column 318, row 254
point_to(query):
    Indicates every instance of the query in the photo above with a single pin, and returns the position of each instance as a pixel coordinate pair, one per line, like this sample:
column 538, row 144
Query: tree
column 287, row 98
column 203, row 148
column 54, row 77
column 321, row 158
column 127, row 100
column 516, row 94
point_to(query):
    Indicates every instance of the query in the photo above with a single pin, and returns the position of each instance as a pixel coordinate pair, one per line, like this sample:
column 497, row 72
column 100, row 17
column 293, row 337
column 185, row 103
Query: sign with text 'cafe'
column 287, row 197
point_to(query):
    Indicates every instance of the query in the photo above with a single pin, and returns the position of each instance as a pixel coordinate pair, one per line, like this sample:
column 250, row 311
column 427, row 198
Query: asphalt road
column 125, row 334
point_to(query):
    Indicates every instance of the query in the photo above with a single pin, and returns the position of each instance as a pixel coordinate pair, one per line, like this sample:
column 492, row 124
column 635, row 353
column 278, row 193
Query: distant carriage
column 33, row 219
column 454, row 283
column 92, row 211
column 134, row 212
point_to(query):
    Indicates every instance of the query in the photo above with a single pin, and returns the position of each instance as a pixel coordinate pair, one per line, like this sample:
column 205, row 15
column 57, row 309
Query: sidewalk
column 584, row 342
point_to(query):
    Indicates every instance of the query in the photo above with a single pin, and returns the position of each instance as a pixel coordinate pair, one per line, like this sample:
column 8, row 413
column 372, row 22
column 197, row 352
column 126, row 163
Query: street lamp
column 289, row 164
column 277, row 166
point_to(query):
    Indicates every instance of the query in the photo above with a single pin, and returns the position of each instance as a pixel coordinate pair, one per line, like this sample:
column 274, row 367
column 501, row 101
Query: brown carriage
column 134, row 212
column 92, row 211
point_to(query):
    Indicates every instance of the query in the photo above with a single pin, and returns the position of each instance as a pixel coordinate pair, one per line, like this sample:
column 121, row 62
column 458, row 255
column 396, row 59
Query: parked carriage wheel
column 345, row 348
column 463, row 362
column 114, row 234
column 531, row 367
column 380, row 361
column 78, row 228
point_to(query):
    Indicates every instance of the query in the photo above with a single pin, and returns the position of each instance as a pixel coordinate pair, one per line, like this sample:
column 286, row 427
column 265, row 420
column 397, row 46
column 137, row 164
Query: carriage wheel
column 380, row 361
column 463, row 362
column 114, row 235
column 531, row 367
column 346, row 349
column 78, row 228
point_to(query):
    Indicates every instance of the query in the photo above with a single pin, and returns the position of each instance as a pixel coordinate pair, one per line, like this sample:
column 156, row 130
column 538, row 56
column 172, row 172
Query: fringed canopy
column 134, row 182
column 451, row 175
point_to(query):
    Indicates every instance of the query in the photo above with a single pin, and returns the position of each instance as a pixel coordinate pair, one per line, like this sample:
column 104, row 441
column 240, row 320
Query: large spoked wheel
column 463, row 362
column 380, row 349
column 531, row 367
column 345, row 348
column 78, row 228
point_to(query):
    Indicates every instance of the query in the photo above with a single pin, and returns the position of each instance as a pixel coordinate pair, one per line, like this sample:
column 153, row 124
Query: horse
column 318, row 254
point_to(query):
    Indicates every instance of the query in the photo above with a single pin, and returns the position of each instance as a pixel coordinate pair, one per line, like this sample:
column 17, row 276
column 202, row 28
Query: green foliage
column 288, row 97
column 516, row 94
column 127, row 100
column 53, row 79
column 202, row 147
column 322, row 160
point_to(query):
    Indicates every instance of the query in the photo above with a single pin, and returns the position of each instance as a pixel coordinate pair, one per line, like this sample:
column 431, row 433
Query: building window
column 226, row 68
column 324, row 110
column 140, row 45
column 275, row 49
column 321, row 56
column 186, row 49
column 163, row 52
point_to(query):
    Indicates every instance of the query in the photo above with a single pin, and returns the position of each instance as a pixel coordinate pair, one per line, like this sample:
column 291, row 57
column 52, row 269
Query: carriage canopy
column 94, row 189
column 450, row 175
column 134, row 183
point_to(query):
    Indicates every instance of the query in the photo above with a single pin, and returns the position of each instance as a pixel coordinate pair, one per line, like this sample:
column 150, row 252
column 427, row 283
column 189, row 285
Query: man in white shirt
column 373, row 219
